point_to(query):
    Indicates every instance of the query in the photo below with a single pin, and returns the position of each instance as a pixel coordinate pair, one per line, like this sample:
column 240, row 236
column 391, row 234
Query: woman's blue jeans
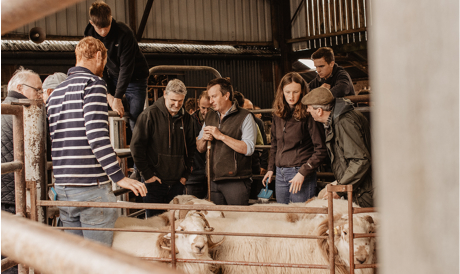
column 283, row 176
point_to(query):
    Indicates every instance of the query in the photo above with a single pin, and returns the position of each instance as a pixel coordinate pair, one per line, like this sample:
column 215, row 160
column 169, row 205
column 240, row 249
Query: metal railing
column 271, row 209
column 48, row 251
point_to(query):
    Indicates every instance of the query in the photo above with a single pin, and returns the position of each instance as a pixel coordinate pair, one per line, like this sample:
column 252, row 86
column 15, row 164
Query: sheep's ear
column 165, row 242
column 175, row 200
column 369, row 219
column 183, row 214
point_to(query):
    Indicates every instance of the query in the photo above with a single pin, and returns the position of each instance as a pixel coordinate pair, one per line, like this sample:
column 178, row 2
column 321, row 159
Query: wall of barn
column 322, row 17
column 223, row 20
column 251, row 76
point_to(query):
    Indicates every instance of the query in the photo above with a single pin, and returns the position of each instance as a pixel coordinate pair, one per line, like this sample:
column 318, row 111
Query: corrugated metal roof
column 68, row 46
column 209, row 20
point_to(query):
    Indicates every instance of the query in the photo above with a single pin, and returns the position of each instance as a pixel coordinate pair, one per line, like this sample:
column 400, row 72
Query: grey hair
column 176, row 86
column 323, row 107
column 20, row 76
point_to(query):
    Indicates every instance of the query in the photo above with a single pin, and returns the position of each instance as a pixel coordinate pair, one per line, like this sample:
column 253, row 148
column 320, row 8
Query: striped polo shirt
column 78, row 119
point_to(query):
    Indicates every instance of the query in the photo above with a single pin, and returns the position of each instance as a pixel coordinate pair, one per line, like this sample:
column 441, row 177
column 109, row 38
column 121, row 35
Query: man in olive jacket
column 163, row 146
column 348, row 142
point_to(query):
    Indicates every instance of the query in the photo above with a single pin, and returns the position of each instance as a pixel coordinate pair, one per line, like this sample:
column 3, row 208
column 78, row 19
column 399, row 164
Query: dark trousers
column 231, row 192
column 161, row 194
column 199, row 190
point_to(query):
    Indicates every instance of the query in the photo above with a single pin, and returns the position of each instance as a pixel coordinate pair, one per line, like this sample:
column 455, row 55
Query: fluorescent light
column 308, row 63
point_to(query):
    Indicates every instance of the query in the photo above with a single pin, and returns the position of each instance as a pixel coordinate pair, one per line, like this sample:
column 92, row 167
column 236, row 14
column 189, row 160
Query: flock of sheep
column 246, row 248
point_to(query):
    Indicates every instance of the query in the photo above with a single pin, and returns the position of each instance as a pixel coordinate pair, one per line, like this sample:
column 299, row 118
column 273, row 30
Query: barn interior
column 405, row 58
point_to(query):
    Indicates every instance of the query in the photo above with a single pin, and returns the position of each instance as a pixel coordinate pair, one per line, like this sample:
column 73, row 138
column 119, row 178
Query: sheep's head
column 192, row 245
column 364, row 248
column 192, row 200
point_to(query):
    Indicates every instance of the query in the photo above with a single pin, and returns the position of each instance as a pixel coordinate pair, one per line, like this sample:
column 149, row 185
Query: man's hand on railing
column 136, row 186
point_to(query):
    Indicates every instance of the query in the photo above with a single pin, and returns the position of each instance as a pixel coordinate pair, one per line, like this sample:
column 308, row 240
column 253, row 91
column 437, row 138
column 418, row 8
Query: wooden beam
column 303, row 39
column 132, row 14
column 145, row 16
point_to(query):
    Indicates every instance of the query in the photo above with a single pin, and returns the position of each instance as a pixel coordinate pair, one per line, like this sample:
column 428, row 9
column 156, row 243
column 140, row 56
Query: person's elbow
column 249, row 148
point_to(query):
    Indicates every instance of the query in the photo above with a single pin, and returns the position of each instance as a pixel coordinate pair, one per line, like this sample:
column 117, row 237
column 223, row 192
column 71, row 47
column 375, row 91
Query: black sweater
column 163, row 145
column 340, row 81
column 125, row 61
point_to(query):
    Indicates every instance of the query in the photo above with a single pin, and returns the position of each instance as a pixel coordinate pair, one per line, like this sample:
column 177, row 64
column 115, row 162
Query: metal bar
column 20, row 175
column 35, row 155
column 315, row 266
column 361, row 266
column 188, row 87
column 350, row 229
column 11, row 167
column 208, row 168
column 11, row 109
column 137, row 213
column 163, row 69
column 172, row 219
column 21, row 12
column 35, row 244
column 7, row 263
column 330, row 216
column 145, row 17
column 273, row 209
column 121, row 191
column 312, row 237
column 364, row 235
column 319, row 36
column 132, row 14
column 364, row 210
column 359, row 98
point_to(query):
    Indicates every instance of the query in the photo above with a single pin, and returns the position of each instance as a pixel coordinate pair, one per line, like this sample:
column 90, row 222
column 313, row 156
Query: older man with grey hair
column 163, row 145
column 25, row 84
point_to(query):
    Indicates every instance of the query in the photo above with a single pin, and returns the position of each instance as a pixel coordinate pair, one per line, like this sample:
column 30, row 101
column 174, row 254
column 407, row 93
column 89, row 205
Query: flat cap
column 318, row 96
column 54, row 80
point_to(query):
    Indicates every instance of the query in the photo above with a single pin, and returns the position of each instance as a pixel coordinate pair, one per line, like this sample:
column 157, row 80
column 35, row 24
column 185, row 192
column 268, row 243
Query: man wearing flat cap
column 51, row 82
column 348, row 142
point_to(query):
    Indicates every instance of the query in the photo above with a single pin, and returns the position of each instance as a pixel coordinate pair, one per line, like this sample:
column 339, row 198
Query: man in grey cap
column 348, row 142
column 51, row 82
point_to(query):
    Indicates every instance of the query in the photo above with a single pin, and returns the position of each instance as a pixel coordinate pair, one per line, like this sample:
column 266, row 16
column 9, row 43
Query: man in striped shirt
column 84, row 162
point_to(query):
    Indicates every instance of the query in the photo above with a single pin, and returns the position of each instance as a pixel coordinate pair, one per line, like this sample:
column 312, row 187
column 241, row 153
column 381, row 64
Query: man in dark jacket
column 348, row 142
column 25, row 84
column 196, row 184
column 330, row 75
column 127, row 70
column 232, row 132
column 163, row 145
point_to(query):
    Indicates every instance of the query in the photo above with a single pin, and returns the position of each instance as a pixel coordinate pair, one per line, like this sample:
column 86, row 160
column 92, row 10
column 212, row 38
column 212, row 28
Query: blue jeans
column 135, row 95
column 88, row 216
column 283, row 176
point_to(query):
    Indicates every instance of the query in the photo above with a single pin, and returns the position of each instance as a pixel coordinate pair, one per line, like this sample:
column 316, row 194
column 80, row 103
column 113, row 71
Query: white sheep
column 288, row 250
column 188, row 246
column 340, row 207
column 152, row 222
column 192, row 200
